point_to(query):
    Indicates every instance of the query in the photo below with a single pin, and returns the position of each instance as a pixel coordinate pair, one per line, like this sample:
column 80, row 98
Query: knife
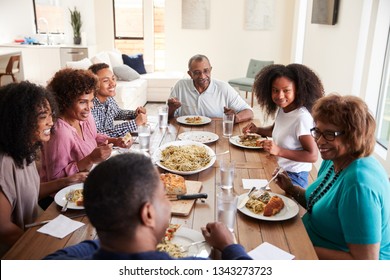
column 47, row 221
column 246, row 198
column 188, row 196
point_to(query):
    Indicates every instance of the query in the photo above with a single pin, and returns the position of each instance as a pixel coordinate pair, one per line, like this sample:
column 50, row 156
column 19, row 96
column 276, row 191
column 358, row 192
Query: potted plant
column 75, row 21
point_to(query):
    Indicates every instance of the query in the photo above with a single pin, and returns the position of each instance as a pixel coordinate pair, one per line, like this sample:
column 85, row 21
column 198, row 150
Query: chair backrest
column 13, row 63
column 255, row 66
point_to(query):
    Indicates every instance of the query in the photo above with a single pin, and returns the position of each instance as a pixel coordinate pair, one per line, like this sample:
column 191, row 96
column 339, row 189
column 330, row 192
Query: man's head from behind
column 123, row 193
column 107, row 80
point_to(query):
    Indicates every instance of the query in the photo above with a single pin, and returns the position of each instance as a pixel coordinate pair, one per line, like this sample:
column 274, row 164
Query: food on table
column 251, row 140
column 172, row 249
column 265, row 203
column 194, row 120
column 274, row 206
column 75, row 196
column 170, row 231
column 256, row 206
column 185, row 158
column 167, row 246
column 174, row 184
column 127, row 137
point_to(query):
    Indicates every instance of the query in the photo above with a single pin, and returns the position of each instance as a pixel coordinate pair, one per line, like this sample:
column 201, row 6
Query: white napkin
column 249, row 183
column 60, row 226
column 267, row 251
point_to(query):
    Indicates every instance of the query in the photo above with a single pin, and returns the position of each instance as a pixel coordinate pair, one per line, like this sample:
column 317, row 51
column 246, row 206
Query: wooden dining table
column 289, row 235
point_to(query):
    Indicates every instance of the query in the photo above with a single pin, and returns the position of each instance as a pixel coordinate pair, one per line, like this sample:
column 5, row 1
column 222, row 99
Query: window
column 49, row 16
column 128, row 19
column 383, row 110
column 131, row 36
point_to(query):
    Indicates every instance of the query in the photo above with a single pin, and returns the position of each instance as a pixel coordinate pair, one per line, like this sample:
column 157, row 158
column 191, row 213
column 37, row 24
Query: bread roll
column 174, row 184
column 274, row 206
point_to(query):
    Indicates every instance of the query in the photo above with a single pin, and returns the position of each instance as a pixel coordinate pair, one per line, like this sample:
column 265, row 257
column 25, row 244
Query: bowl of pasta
column 184, row 157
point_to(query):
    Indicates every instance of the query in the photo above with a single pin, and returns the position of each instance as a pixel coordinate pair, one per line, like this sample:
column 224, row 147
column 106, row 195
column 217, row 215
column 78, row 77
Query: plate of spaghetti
column 184, row 157
column 74, row 194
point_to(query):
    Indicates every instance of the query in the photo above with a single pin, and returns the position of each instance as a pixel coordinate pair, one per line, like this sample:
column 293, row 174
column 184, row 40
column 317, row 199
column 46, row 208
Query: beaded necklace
column 320, row 191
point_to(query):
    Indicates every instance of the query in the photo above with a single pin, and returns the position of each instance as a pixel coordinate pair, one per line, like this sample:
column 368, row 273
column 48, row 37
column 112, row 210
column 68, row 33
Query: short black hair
column 20, row 104
column 95, row 68
column 116, row 189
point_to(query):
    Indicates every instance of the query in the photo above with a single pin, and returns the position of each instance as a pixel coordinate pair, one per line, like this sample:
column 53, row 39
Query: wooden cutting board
column 183, row 207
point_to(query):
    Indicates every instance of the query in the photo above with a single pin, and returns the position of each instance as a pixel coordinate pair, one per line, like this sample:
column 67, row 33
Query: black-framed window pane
column 49, row 15
column 128, row 19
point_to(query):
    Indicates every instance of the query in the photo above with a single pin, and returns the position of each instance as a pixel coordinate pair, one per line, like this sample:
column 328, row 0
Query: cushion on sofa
column 102, row 57
column 135, row 61
column 81, row 64
column 115, row 58
column 125, row 73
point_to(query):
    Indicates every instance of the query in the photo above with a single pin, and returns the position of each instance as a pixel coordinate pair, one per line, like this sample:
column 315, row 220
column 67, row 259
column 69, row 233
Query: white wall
column 331, row 49
column 226, row 43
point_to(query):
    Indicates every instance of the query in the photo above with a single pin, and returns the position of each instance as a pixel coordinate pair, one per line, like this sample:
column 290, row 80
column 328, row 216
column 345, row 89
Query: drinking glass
column 227, row 125
column 144, row 137
column 163, row 116
column 227, row 208
column 226, row 170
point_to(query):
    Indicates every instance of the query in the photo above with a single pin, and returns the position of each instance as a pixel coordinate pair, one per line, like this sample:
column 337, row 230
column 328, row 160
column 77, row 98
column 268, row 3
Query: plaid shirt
column 105, row 114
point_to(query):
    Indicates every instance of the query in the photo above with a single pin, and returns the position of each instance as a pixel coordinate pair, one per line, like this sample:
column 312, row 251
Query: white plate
column 157, row 156
column 289, row 210
column 182, row 120
column 199, row 136
column 184, row 236
column 60, row 196
column 235, row 140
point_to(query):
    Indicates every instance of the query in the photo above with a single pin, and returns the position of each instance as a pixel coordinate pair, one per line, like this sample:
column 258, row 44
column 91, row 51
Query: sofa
column 137, row 84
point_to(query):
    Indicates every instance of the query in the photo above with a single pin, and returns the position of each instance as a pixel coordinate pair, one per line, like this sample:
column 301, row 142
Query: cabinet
column 40, row 63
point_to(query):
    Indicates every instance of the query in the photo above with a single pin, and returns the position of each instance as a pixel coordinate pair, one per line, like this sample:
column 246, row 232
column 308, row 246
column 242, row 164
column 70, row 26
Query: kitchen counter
column 18, row 45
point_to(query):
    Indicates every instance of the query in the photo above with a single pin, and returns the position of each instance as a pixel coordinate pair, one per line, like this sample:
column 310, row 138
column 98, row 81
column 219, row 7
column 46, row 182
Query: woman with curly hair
column 288, row 92
column 76, row 145
column 26, row 121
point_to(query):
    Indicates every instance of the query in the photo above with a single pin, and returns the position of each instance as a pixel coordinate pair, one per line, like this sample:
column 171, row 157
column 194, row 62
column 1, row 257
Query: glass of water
column 227, row 125
column 144, row 137
column 227, row 208
column 163, row 116
column 226, row 170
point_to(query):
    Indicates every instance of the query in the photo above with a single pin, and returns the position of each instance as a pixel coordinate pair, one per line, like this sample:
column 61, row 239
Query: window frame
column 125, row 37
column 36, row 22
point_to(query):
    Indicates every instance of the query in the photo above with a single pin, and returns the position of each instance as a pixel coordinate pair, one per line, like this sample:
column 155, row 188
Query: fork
column 185, row 248
column 273, row 178
column 68, row 198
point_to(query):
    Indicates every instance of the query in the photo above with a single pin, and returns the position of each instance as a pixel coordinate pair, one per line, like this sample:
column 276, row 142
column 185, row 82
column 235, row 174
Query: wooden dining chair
column 246, row 83
column 12, row 68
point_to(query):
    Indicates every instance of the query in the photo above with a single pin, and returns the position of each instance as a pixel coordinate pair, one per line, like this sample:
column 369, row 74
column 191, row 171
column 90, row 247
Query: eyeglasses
column 328, row 135
column 197, row 73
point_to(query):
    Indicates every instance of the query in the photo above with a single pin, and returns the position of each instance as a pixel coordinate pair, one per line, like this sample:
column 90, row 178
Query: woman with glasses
column 288, row 92
column 348, row 206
